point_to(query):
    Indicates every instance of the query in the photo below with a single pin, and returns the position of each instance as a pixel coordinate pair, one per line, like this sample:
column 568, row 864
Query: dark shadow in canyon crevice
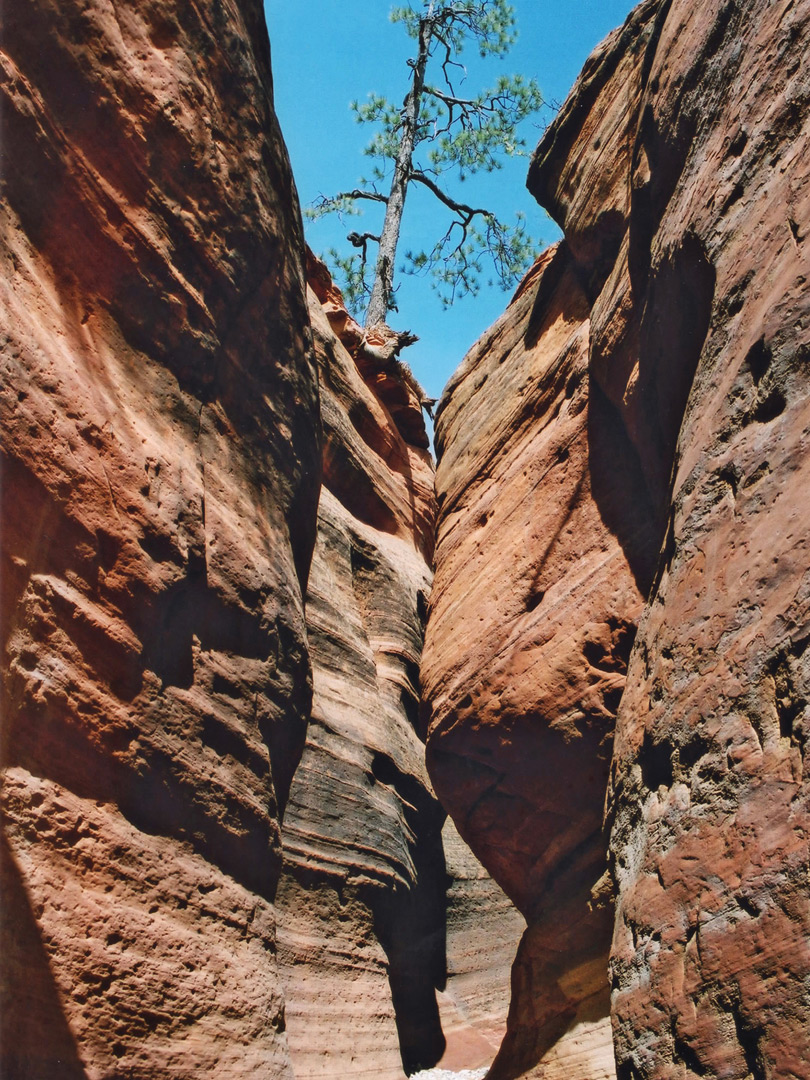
column 674, row 325
column 619, row 488
column 410, row 923
column 631, row 480
column 36, row 1042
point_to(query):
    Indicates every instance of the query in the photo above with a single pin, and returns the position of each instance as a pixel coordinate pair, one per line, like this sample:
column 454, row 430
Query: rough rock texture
column 160, row 472
column 364, row 877
column 710, row 787
column 532, row 619
column 362, row 904
column 674, row 317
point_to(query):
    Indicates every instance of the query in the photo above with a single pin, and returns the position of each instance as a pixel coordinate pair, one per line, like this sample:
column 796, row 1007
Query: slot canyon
column 321, row 759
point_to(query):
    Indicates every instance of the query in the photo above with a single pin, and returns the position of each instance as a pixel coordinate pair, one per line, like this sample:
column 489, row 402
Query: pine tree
column 439, row 130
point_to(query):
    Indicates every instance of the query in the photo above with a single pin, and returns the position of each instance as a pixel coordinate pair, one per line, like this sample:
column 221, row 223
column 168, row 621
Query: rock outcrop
column 710, row 792
column 160, row 474
column 532, row 619
column 363, row 901
column 622, row 459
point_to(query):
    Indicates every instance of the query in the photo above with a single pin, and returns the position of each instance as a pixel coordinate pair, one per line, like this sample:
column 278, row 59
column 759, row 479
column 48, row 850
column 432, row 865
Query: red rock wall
column 532, row 619
column 160, row 473
column 364, row 873
column 623, row 450
column 710, row 796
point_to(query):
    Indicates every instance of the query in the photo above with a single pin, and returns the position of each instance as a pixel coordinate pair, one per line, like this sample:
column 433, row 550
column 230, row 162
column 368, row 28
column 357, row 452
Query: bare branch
column 448, row 61
column 468, row 212
column 327, row 202
column 359, row 240
column 448, row 99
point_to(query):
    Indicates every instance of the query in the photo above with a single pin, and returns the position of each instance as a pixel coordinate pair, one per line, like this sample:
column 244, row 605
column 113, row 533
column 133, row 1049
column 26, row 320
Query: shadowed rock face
column 160, row 472
column 678, row 171
column 363, row 903
column 483, row 931
column 709, row 792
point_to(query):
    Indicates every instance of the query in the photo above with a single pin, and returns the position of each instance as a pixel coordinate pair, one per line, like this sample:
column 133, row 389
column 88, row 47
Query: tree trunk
column 383, row 285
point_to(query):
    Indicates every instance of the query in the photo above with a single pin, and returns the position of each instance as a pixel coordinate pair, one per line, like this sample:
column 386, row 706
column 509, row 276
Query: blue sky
column 327, row 53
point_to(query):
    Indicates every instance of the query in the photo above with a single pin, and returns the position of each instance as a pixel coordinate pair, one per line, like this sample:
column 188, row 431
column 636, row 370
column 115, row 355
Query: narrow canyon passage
column 273, row 684
column 394, row 944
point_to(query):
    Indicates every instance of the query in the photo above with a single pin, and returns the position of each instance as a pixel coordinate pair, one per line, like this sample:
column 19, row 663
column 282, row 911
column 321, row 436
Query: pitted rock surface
column 160, row 473
column 678, row 171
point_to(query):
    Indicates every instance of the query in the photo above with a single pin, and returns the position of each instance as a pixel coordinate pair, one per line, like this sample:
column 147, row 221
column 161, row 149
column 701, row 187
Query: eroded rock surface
column 532, row 620
column 707, row 300
column 622, row 457
column 483, row 932
column 160, row 473
column 363, row 891
column 711, row 954
column 363, row 902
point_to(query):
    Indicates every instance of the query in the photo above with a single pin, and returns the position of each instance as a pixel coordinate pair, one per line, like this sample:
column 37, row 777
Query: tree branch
column 448, row 99
column 468, row 212
column 358, row 240
column 373, row 196
column 448, row 61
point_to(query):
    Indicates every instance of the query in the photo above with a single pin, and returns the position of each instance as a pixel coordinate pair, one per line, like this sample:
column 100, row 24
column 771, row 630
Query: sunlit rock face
column 364, row 903
column 622, row 544
column 160, row 474
column 532, row 619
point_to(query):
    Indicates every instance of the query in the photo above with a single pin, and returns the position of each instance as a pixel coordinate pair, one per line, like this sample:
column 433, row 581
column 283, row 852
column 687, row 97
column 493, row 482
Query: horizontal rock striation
column 363, row 901
column 622, row 460
column 483, row 932
column 160, row 473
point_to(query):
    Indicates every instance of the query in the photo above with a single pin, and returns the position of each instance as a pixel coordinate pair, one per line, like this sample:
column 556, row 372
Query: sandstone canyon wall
column 160, row 475
column 363, row 904
column 615, row 674
column 364, row 872
column 622, row 550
